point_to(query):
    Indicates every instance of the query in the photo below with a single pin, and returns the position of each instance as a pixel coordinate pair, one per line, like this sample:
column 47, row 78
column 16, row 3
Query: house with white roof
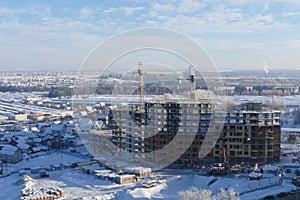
column 10, row 154
column 58, row 128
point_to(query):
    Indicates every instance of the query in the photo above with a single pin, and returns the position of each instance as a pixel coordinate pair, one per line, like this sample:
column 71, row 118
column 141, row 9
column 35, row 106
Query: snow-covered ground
column 78, row 185
column 73, row 182
column 46, row 160
column 288, row 100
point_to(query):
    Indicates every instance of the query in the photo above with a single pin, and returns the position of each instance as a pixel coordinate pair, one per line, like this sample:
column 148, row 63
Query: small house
column 58, row 128
column 255, row 176
column 138, row 171
column 10, row 154
column 269, row 169
column 126, row 179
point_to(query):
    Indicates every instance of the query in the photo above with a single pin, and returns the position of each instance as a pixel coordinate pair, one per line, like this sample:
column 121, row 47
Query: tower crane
column 192, row 83
column 192, row 79
column 140, row 72
column 141, row 91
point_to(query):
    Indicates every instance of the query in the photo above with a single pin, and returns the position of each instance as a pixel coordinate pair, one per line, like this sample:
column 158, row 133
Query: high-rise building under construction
column 250, row 132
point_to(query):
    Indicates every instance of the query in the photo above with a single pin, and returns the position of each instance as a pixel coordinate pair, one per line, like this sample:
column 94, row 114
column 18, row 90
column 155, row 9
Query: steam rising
column 266, row 68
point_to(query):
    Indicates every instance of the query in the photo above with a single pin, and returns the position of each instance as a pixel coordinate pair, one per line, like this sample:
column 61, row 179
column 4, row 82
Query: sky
column 237, row 34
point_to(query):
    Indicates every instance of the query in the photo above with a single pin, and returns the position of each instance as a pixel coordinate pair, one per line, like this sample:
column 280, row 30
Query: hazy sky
column 238, row 34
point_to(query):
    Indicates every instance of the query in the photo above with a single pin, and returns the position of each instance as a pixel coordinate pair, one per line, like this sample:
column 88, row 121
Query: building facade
column 250, row 134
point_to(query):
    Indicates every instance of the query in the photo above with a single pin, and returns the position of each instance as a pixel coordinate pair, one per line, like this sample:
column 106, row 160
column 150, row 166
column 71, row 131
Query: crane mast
column 224, row 154
column 141, row 84
column 141, row 90
column 192, row 83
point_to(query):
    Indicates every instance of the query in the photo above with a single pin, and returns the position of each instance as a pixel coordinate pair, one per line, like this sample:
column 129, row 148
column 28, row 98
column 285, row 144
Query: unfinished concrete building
column 250, row 134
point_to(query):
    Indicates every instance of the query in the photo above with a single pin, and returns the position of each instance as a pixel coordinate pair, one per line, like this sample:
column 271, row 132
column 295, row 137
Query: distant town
column 57, row 130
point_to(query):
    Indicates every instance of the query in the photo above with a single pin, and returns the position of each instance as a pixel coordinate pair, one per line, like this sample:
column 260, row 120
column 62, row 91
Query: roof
column 8, row 150
column 40, row 148
column 35, row 129
column 57, row 127
column 291, row 130
column 270, row 168
column 126, row 175
column 22, row 144
column 255, row 175
column 37, row 140
column 102, row 116
column 136, row 169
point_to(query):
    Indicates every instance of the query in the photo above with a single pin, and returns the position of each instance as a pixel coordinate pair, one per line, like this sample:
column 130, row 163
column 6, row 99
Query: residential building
column 10, row 154
column 250, row 134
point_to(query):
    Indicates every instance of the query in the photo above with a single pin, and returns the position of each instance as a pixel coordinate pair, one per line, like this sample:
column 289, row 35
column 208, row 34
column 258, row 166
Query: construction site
column 188, row 132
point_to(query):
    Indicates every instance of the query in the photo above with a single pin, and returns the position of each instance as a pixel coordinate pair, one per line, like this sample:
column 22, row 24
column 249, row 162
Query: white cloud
column 48, row 42
column 217, row 20
column 39, row 35
column 290, row 14
column 188, row 6
column 110, row 10
column 10, row 11
column 85, row 12
column 265, row 4
column 266, row 7
column 231, row 53
column 41, row 27
column 128, row 11
column 131, row 10
column 241, row 3
column 290, row 2
column 163, row 7
column 187, row 24
column 265, row 19
column 152, row 23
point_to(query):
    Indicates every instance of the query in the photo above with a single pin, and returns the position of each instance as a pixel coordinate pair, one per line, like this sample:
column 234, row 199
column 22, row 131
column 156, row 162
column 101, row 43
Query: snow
column 126, row 175
column 77, row 185
column 255, row 175
column 73, row 182
column 36, row 189
column 270, row 168
column 289, row 100
column 255, row 195
column 146, row 192
column 46, row 160
column 8, row 150
column 35, row 129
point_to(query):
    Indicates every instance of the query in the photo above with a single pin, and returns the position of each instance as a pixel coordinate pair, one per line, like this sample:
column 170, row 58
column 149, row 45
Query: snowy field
column 288, row 100
column 78, row 185
column 45, row 160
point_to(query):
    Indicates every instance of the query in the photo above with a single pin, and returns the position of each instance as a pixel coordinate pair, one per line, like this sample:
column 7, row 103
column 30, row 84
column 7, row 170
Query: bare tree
column 194, row 193
column 275, row 103
column 227, row 195
column 230, row 104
